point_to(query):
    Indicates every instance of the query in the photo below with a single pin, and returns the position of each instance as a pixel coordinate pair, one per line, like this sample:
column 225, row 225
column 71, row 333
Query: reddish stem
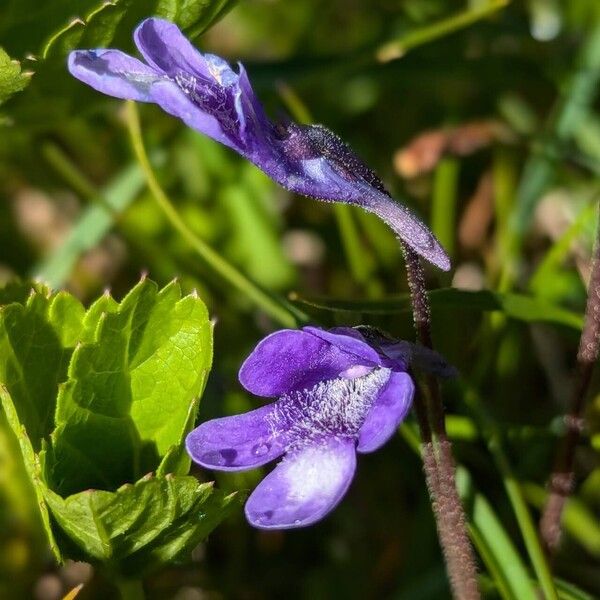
column 438, row 462
column 562, row 479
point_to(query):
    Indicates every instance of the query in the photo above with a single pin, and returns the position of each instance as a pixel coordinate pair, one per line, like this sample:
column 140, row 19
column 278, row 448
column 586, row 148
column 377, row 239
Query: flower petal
column 171, row 98
column 348, row 340
column 290, row 360
column 387, row 413
column 165, row 48
column 236, row 443
column 304, row 487
column 226, row 106
column 114, row 73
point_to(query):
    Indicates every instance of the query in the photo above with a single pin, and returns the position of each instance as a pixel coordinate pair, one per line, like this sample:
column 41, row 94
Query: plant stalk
column 562, row 479
column 278, row 308
column 438, row 461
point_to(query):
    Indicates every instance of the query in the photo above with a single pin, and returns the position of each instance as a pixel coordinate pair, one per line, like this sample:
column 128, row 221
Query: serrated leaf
column 138, row 367
column 12, row 79
column 25, row 24
column 36, row 342
column 517, row 306
column 19, row 290
column 32, row 465
column 32, row 26
column 140, row 526
column 129, row 394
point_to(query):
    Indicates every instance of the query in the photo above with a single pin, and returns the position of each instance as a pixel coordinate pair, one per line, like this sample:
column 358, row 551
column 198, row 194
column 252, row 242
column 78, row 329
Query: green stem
column 444, row 201
column 130, row 589
column 278, row 308
column 347, row 227
column 515, row 495
column 429, row 33
column 352, row 247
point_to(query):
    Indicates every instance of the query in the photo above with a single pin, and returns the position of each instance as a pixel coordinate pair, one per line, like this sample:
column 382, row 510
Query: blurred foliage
column 507, row 95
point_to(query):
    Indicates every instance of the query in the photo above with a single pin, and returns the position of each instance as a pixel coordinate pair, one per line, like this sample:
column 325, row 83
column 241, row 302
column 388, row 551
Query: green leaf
column 32, row 465
column 255, row 244
column 95, row 399
column 493, row 543
column 36, row 341
column 38, row 27
column 140, row 526
column 130, row 395
column 518, row 306
column 12, row 79
column 18, row 291
column 569, row 591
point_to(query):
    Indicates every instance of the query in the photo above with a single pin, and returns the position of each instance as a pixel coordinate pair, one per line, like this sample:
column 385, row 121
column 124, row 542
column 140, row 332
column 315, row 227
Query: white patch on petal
column 220, row 70
column 314, row 472
column 356, row 371
column 305, row 486
column 314, row 168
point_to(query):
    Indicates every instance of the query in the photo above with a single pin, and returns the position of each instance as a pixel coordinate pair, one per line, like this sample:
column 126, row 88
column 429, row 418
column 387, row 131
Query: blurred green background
column 481, row 115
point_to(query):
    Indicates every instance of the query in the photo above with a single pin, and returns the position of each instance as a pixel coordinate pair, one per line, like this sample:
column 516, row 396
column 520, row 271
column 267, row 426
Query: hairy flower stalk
column 561, row 481
column 438, row 461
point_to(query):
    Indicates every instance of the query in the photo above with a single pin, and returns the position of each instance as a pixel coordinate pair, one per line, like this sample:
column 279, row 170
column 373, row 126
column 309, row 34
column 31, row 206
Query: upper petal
column 304, row 487
column 114, row 73
column 164, row 47
column 387, row 412
column 212, row 89
column 290, row 360
column 347, row 339
column 236, row 443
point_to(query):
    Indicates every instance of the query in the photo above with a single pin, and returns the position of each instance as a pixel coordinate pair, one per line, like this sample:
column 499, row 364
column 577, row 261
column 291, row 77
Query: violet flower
column 338, row 393
column 206, row 94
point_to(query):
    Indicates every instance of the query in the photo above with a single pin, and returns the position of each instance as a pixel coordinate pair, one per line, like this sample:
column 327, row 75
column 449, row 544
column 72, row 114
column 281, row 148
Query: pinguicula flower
column 209, row 96
column 339, row 392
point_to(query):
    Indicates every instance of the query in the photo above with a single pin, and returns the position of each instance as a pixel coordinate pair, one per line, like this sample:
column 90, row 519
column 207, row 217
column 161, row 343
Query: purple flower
column 206, row 94
column 338, row 392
